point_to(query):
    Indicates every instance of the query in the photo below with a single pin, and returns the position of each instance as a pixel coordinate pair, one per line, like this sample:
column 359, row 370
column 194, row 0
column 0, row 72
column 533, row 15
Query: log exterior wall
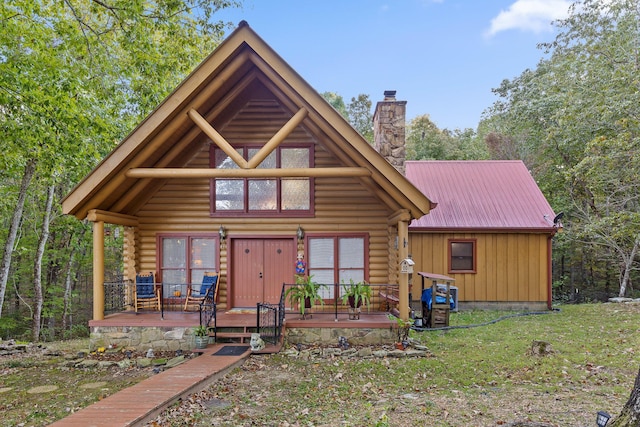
column 511, row 269
column 342, row 205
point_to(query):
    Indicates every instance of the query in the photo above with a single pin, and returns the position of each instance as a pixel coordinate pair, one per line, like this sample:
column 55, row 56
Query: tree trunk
column 5, row 266
column 68, row 282
column 37, row 268
column 630, row 415
column 628, row 265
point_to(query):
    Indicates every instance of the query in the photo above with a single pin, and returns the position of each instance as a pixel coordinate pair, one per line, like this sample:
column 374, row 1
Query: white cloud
column 529, row 15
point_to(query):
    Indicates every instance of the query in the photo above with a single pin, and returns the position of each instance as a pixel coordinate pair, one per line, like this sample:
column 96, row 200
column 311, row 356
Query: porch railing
column 117, row 296
column 208, row 312
column 383, row 298
column 270, row 318
column 120, row 296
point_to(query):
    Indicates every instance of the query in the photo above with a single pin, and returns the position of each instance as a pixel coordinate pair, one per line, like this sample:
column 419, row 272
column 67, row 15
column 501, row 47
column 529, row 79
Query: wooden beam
column 400, row 215
column 339, row 172
column 166, row 118
column 276, row 139
column 403, row 280
column 96, row 215
column 98, row 270
column 217, row 139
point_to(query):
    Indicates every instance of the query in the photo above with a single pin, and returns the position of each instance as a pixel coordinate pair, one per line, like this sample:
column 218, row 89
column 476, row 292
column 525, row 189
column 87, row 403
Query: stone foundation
column 142, row 338
column 503, row 305
column 329, row 336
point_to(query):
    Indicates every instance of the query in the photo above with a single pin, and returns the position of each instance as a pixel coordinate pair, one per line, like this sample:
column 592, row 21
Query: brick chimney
column 389, row 129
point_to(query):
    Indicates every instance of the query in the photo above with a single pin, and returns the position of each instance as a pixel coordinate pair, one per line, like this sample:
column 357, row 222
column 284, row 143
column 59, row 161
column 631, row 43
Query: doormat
column 242, row 311
column 231, row 350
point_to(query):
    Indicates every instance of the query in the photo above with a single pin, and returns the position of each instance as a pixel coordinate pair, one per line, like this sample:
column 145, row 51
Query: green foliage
column 402, row 327
column 358, row 112
column 75, row 78
column 336, row 102
column 360, row 116
column 360, row 293
column 200, row 331
column 305, row 290
column 425, row 141
column 574, row 120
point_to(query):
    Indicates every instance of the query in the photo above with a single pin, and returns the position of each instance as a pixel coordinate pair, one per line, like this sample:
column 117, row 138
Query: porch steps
column 242, row 335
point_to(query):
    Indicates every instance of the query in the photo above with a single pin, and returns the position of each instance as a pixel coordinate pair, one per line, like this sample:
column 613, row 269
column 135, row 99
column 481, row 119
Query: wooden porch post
column 403, row 278
column 98, row 270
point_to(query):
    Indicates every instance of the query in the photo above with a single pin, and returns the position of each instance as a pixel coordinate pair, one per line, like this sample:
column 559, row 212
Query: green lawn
column 478, row 376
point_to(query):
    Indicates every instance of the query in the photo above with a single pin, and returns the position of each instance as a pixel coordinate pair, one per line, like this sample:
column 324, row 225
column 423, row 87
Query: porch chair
column 147, row 294
column 209, row 280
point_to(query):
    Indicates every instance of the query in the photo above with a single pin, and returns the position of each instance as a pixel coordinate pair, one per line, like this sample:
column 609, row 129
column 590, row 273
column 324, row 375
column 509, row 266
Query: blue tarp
column 426, row 298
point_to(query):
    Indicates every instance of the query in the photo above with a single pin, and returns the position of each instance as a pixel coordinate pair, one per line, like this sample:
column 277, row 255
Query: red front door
column 259, row 268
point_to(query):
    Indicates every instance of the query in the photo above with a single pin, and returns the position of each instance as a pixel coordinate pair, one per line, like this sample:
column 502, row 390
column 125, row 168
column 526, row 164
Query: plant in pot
column 202, row 336
column 402, row 328
column 304, row 294
column 356, row 295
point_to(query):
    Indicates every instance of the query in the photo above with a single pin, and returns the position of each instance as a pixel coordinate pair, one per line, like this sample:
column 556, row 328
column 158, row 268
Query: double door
column 259, row 267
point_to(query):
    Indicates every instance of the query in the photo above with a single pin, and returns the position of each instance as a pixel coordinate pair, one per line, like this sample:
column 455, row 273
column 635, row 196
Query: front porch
column 173, row 330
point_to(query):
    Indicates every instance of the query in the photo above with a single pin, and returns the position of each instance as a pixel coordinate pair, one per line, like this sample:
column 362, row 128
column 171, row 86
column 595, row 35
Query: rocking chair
column 194, row 298
column 147, row 294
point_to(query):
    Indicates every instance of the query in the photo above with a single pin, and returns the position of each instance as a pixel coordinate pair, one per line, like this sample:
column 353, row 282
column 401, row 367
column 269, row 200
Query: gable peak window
column 263, row 196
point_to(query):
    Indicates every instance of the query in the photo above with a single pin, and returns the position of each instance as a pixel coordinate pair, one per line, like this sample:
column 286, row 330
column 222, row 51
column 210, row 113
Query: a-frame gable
column 208, row 99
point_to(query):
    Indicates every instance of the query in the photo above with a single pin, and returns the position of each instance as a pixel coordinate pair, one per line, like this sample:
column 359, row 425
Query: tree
column 360, row 117
column 575, row 120
column 336, row 102
column 75, row 76
column 630, row 415
column 425, row 141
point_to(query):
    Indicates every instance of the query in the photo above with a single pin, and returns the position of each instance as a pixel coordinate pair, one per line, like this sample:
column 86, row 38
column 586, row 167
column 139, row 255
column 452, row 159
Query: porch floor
column 245, row 318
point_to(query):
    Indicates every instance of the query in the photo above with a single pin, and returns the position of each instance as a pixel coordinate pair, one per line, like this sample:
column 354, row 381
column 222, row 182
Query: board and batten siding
column 342, row 205
column 510, row 267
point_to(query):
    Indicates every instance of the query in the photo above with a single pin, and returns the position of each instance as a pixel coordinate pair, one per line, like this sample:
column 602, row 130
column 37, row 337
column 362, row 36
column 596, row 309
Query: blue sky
column 442, row 56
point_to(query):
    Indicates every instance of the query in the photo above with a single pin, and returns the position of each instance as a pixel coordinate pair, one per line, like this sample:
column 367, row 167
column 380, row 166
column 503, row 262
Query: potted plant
column 402, row 329
column 304, row 294
column 202, row 336
column 355, row 294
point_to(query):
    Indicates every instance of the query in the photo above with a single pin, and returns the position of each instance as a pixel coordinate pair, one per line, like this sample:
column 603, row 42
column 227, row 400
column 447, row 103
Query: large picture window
column 263, row 195
column 184, row 259
column 337, row 259
column 462, row 256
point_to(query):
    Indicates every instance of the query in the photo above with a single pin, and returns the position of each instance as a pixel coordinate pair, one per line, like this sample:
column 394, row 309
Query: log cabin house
column 244, row 167
column 241, row 168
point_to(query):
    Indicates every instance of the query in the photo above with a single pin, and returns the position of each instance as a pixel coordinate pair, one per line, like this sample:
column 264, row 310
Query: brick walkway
column 142, row 402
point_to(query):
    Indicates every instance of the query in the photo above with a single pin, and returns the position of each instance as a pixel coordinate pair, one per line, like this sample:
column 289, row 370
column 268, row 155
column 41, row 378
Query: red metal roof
column 480, row 195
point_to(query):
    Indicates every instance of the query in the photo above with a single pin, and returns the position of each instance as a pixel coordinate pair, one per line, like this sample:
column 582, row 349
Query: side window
column 462, row 256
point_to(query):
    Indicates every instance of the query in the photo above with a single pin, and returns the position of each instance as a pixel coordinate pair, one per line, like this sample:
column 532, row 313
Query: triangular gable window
column 263, row 196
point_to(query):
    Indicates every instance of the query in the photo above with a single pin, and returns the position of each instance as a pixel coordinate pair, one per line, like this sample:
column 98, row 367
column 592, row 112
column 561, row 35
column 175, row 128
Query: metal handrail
column 208, row 309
